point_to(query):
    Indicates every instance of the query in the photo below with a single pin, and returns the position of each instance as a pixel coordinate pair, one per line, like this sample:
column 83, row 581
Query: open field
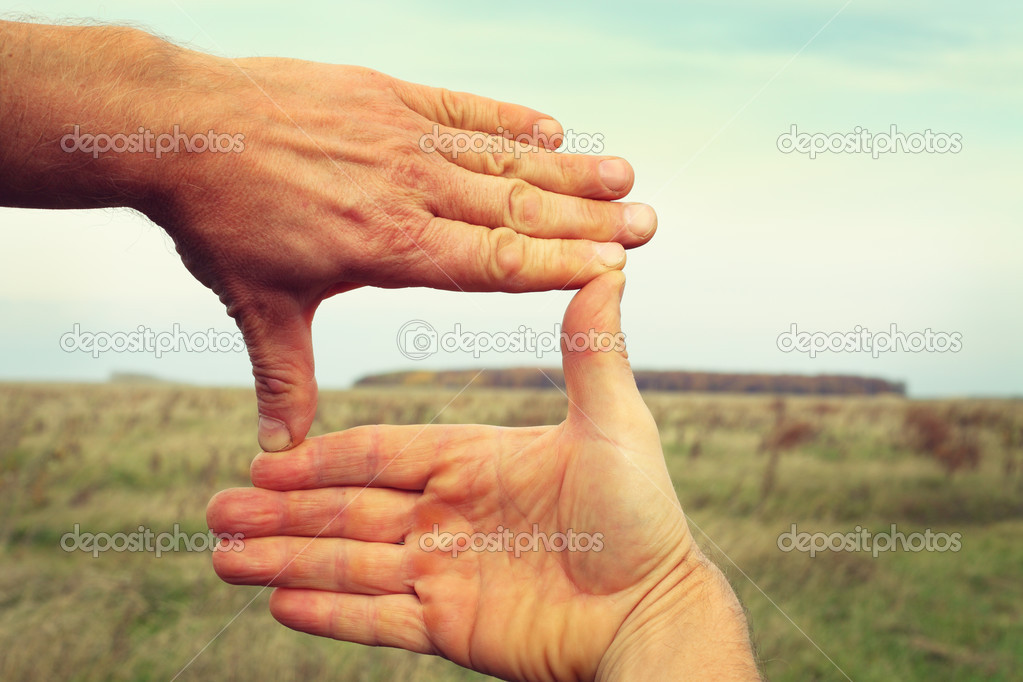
column 115, row 457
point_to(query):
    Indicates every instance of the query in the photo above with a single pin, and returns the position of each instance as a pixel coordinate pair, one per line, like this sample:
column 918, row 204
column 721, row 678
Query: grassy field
column 115, row 457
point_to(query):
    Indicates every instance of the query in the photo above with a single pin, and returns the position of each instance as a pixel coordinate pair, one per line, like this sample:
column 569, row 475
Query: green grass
column 111, row 458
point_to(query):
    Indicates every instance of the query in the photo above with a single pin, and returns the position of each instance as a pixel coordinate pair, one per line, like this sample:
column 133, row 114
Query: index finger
column 473, row 112
column 403, row 457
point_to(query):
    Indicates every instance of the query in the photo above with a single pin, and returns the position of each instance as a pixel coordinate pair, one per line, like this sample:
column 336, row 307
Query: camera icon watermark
column 418, row 340
column 508, row 541
column 146, row 540
column 861, row 539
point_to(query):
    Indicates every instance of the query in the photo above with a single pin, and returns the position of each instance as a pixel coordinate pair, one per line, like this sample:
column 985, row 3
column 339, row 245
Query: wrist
column 690, row 627
column 80, row 113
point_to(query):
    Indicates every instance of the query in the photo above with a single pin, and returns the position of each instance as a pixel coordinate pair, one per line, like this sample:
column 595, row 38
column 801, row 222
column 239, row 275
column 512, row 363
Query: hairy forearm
column 692, row 630
column 96, row 80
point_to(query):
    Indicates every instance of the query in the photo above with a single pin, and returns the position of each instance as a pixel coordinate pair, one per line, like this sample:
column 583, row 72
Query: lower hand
column 326, row 523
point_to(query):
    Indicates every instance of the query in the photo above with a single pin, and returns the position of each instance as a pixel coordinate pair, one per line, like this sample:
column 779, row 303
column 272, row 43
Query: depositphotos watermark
column 144, row 340
column 506, row 540
column 862, row 340
column 145, row 141
column 862, row 141
column 569, row 142
column 145, row 540
column 418, row 340
column 862, row 540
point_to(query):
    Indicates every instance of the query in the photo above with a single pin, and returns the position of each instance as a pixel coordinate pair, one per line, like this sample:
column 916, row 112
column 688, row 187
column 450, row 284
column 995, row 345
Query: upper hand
column 334, row 190
column 326, row 524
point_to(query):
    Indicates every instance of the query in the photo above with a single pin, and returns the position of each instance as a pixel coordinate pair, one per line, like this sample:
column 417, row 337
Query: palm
column 513, row 616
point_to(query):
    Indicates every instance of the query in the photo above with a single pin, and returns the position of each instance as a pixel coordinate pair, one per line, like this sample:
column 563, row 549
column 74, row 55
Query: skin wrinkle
column 501, row 437
column 499, row 162
column 522, row 207
column 372, row 461
column 562, row 560
column 340, row 517
column 448, row 104
column 283, row 511
column 395, row 556
column 335, row 615
column 698, row 562
column 319, row 466
column 340, row 563
column 476, row 493
column 471, row 637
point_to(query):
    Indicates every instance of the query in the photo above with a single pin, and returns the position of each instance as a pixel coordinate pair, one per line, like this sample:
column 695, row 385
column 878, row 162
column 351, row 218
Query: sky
column 696, row 95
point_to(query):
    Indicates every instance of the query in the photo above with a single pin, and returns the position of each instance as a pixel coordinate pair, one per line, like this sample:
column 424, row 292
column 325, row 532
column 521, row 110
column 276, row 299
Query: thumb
column 281, row 351
column 599, row 381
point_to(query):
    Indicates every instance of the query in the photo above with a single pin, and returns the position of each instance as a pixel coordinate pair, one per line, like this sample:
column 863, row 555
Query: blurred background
column 751, row 240
column 695, row 95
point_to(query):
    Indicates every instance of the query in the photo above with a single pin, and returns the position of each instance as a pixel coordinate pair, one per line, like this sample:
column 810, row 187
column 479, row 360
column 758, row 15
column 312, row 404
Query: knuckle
column 603, row 218
column 568, row 172
column 280, row 378
column 504, row 255
column 505, row 113
column 397, row 252
column 525, row 205
column 498, row 162
column 273, row 383
column 453, row 105
column 409, row 167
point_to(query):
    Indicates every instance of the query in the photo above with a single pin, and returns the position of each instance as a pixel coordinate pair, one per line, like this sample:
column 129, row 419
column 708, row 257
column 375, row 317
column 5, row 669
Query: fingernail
column 273, row 434
column 548, row 133
column 640, row 219
column 610, row 255
column 614, row 173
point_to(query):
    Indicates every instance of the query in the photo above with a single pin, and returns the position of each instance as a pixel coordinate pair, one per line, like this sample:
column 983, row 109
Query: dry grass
column 111, row 458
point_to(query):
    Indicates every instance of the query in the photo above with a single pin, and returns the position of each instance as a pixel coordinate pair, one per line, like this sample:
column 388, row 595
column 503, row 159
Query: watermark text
column 862, row 340
column 508, row 541
column 862, row 141
column 145, row 141
column 861, row 539
column 144, row 340
column 418, row 340
column 146, row 540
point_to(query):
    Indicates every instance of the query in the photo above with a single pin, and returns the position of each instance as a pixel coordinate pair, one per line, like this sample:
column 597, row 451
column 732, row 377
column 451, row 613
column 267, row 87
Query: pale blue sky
column 695, row 95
